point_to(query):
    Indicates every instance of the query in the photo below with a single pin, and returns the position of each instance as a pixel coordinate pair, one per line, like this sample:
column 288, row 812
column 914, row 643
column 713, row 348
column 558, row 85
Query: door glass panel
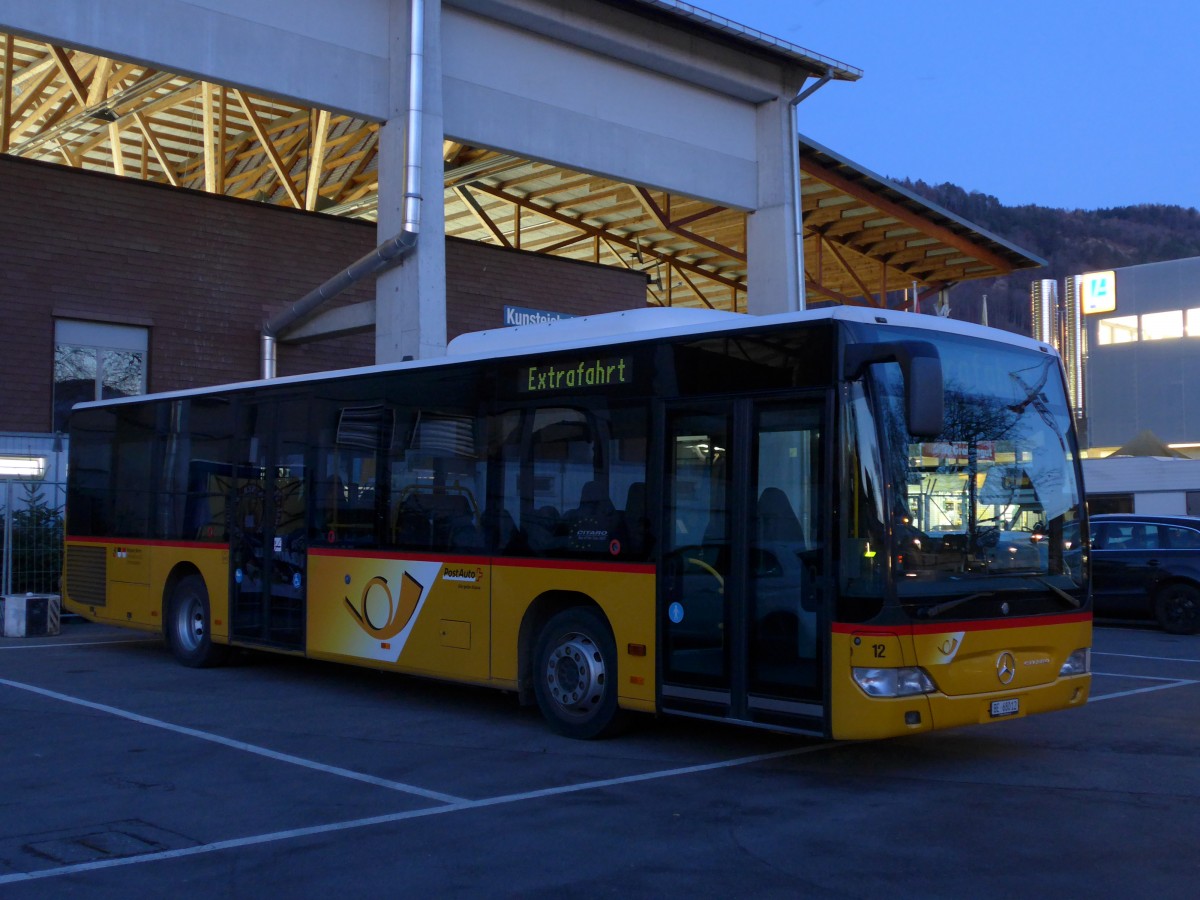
column 785, row 553
column 268, row 532
column 289, row 545
column 248, row 529
column 696, row 627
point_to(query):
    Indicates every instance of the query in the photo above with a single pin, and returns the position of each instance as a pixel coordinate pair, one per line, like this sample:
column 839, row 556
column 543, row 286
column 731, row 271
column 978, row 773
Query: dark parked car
column 1147, row 567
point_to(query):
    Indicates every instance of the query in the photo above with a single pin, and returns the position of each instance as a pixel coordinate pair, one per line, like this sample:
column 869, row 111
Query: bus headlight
column 1078, row 663
column 903, row 682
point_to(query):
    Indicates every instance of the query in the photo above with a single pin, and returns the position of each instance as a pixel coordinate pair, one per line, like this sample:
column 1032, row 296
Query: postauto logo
column 381, row 614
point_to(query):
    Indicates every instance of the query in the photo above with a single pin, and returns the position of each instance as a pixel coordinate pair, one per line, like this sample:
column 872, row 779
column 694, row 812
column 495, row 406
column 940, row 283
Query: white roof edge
column 753, row 36
column 587, row 329
column 612, row 328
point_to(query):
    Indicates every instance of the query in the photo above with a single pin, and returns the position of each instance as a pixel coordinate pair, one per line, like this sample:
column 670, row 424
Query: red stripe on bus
column 147, row 542
column 576, row 565
column 407, row 557
column 494, row 561
column 571, row 565
column 943, row 627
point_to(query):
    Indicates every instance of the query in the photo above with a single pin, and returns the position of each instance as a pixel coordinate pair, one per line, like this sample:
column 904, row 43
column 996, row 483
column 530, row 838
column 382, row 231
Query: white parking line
column 276, row 836
column 238, row 745
column 1168, row 683
column 450, row 803
column 57, row 644
column 1152, row 658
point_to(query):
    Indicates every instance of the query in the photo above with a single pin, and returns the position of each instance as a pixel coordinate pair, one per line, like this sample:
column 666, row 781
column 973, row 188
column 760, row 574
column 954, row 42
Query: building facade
column 123, row 287
column 1130, row 341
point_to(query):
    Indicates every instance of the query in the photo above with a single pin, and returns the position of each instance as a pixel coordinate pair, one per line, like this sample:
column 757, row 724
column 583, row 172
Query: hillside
column 1071, row 241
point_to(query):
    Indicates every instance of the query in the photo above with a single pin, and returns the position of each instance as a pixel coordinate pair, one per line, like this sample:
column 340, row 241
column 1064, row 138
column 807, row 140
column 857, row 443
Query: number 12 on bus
column 835, row 522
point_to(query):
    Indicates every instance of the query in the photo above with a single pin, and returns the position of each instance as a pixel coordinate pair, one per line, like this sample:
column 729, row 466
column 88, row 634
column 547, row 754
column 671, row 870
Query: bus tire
column 575, row 674
column 189, row 622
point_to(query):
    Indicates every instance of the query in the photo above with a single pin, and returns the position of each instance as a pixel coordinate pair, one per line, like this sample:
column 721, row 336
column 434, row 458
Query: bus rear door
column 268, row 547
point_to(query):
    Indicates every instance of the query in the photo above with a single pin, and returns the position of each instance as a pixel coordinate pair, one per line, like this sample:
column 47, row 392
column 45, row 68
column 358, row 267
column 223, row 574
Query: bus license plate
column 1005, row 707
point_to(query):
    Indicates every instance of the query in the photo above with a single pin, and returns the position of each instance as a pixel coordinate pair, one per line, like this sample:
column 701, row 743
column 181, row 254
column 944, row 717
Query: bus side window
column 436, row 477
column 570, row 482
column 564, row 464
column 347, row 490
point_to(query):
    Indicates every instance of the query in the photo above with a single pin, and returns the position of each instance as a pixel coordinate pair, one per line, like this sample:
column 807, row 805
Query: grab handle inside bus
column 921, row 365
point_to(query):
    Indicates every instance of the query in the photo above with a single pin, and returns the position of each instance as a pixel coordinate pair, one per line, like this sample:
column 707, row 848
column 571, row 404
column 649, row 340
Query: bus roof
column 649, row 323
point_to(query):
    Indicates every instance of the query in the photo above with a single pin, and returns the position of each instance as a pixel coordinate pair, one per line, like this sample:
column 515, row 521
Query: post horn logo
column 378, row 613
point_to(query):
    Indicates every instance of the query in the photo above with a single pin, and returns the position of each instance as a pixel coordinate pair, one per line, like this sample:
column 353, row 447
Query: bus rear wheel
column 575, row 674
column 189, row 623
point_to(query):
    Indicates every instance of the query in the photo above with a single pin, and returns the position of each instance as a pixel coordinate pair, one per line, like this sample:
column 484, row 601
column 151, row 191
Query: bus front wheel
column 575, row 675
column 189, row 622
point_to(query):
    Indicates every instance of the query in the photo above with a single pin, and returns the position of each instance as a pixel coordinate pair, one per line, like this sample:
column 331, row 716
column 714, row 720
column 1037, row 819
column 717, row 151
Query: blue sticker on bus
column 237, row 576
column 675, row 611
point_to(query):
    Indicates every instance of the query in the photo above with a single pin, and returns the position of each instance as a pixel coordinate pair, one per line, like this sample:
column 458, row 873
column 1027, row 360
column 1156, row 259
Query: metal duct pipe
column 396, row 248
column 794, row 145
column 269, row 358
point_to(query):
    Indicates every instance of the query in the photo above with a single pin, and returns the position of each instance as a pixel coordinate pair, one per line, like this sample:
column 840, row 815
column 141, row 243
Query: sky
column 1075, row 104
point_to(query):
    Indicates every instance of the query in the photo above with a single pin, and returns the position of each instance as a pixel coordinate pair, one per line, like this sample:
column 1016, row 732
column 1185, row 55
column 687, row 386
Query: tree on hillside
column 1071, row 242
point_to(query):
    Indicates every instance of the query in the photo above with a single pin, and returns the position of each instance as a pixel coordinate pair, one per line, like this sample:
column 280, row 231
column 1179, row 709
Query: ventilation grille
column 86, row 575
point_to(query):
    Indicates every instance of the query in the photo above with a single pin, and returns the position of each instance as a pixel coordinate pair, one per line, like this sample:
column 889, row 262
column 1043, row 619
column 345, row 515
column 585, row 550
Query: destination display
column 572, row 376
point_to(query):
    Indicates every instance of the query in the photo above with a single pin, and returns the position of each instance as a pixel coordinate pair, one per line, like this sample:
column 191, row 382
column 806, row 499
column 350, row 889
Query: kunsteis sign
column 520, row 315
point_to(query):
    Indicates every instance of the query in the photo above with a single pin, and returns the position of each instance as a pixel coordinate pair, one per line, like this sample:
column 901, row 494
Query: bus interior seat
column 634, row 525
column 439, row 520
column 593, row 504
column 541, row 528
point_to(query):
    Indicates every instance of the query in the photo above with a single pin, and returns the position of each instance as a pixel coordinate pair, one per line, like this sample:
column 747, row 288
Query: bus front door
column 743, row 622
column 268, row 546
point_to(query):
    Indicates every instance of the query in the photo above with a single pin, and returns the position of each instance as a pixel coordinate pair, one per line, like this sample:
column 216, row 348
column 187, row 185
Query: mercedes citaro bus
column 843, row 522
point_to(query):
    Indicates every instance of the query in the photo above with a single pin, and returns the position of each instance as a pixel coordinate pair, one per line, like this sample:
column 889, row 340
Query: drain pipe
column 396, row 248
column 794, row 144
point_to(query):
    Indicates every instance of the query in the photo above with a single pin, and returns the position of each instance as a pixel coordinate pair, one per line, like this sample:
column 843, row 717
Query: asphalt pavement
column 126, row 775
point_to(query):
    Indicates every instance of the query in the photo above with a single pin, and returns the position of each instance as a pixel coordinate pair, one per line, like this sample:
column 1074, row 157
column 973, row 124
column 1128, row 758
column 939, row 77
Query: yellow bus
column 841, row 522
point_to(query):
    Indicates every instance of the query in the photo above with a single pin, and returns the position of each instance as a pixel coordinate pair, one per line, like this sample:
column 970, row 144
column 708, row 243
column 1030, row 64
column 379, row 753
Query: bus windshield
column 993, row 503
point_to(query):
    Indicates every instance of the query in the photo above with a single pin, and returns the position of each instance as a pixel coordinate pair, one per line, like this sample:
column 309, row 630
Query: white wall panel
column 331, row 55
column 516, row 91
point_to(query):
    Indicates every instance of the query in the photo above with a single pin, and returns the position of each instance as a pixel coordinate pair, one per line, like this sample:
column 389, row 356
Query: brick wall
column 203, row 273
column 481, row 279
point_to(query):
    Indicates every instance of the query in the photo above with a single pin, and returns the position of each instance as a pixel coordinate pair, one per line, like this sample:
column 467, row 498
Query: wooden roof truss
column 862, row 243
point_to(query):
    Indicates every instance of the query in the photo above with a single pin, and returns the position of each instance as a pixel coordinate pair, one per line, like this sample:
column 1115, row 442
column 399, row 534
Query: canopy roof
column 864, row 236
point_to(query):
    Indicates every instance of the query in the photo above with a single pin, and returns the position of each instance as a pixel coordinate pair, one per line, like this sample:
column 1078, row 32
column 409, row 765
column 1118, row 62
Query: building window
column 95, row 361
column 1193, row 322
column 1162, row 326
column 1193, row 503
column 1109, row 503
column 1118, row 330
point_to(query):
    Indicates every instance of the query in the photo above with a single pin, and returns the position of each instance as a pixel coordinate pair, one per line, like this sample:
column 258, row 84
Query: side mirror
column 921, row 366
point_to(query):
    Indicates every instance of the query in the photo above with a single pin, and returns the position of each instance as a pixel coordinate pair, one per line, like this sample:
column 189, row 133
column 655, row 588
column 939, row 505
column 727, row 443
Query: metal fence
column 32, row 549
column 32, row 514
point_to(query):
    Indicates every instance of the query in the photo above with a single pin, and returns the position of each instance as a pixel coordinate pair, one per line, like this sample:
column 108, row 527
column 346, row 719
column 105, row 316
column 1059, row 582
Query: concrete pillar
column 410, row 300
column 773, row 285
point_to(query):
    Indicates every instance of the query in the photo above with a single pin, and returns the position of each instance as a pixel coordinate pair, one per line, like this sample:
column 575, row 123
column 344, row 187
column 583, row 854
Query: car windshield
column 993, row 502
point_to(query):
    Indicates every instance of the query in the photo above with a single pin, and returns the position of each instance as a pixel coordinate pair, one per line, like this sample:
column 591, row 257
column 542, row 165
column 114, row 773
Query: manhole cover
column 113, row 840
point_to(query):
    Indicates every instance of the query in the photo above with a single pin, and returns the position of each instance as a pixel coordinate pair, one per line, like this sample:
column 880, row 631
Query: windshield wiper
column 1073, row 601
column 929, row 612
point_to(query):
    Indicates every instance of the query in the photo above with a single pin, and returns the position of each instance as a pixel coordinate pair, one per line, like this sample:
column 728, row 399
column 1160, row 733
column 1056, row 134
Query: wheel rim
column 575, row 675
column 1180, row 608
column 190, row 625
